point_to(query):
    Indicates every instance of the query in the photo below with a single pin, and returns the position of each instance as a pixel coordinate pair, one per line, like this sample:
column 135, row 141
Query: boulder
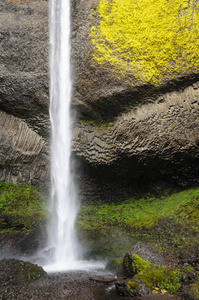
column 132, row 288
column 18, row 272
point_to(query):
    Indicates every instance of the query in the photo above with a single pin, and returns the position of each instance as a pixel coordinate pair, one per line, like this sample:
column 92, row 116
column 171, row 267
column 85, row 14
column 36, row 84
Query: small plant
column 188, row 268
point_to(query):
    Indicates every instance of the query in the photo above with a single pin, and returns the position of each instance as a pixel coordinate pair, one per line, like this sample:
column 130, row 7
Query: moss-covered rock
column 132, row 288
column 127, row 288
column 133, row 264
column 148, row 277
column 160, row 279
column 17, row 272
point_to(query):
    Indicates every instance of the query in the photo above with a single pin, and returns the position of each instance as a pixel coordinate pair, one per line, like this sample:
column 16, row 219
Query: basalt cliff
column 135, row 95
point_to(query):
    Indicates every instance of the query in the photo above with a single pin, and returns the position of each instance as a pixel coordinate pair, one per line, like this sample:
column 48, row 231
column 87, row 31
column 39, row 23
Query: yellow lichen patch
column 15, row 1
column 149, row 39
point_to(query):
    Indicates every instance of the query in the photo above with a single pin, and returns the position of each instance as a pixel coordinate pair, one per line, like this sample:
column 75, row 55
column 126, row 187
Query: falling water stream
column 64, row 205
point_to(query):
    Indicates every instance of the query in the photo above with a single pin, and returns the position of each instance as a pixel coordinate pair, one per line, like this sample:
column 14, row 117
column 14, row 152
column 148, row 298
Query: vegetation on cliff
column 22, row 208
column 169, row 223
column 148, row 39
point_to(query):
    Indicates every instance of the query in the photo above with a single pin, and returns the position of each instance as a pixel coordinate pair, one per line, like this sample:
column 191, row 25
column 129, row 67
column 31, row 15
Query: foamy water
column 79, row 265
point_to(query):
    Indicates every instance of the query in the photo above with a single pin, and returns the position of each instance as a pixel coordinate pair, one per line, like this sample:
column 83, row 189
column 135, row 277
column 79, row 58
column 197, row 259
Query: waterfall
column 63, row 249
column 64, row 205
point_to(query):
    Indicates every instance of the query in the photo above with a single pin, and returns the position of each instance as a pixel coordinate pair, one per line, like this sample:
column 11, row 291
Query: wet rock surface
column 17, row 272
column 71, row 286
column 22, row 244
column 124, row 290
column 24, row 280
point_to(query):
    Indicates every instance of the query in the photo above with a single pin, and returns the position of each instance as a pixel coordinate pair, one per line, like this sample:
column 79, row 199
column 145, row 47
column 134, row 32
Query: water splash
column 64, row 205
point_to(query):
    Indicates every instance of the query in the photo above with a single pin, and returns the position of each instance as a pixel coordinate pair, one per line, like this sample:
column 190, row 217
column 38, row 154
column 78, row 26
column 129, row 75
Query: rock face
column 107, row 77
column 130, row 128
column 148, row 116
column 24, row 92
column 24, row 153
column 156, row 140
column 25, row 245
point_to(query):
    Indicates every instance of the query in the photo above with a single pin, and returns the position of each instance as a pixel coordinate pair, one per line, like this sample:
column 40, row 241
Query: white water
column 64, row 205
column 63, row 248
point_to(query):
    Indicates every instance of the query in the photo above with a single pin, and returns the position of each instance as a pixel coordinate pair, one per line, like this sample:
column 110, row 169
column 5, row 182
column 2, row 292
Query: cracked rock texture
column 24, row 154
column 157, row 141
column 24, row 100
column 146, row 133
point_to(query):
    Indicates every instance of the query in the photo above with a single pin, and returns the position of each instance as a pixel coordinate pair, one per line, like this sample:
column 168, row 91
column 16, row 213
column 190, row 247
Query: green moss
column 99, row 123
column 106, row 242
column 195, row 288
column 135, row 264
column 155, row 277
column 169, row 223
column 143, row 212
column 22, row 208
column 150, row 40
column 160, row 277
column 131, row 285
column 139, row 264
